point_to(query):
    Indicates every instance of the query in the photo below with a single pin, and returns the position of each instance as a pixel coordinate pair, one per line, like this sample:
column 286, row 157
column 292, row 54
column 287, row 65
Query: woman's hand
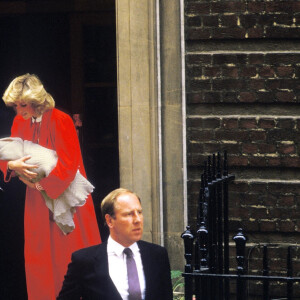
column 27, row 182
column 22, row 168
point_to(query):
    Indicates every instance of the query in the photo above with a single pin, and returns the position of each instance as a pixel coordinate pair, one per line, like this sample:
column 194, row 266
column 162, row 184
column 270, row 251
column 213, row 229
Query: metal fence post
column 265, row 273
column 289, row 284
column 188, row 238
column 240, row 241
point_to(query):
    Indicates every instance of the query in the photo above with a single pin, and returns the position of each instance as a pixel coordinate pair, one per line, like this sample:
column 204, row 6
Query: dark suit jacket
column 88, row 274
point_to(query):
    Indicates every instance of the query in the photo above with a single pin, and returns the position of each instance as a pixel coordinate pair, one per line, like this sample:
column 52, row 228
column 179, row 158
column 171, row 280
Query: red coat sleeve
column 67, row 147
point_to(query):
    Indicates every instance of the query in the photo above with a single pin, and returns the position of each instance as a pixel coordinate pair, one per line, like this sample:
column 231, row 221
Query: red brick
column 273, row 84
column 274, row 162
column 282, row 6
column 266, row 148
column 282, row 58
column 212, row 147
column 198, row 85
column 212, row 97
column 229, row 97
column 256, row 7
column 240, row 212
column 284, row 188
column 285, row 96
column 249, row 199
column 212, row 71
column 266, row 71
column 194, row 159
column 257, row 135
column 228, row 6
column 194, row 98
column 198, row 59
column 228, row 33
column 256, row 84
column 259, row 187
column 248, row 123
column 239, row 186
column 247, row 97
column 293, row 162
column 200, row 135
column 231, row 148
column 250, row 226
column 194, row 71
column 228, row 20
column 257, row 161
column 286, row 123
column 231, row 135
column 286, row 226
column 248, row 21
column 269, row 199
column 210, row 123
column 284, row 19
column 196, row 8
column 285, row 71
column 230, row 72
column 248, row 71
column 249, row 148
column 266, row 123
column 210, row 21
column 193, row 186
column 254, row 33
column 237, row 161
column 193, row 21
column 230, row 123
column 256, row 59
column 268, row 226
column 287, row 149
column 197, row 34
column 258, row 213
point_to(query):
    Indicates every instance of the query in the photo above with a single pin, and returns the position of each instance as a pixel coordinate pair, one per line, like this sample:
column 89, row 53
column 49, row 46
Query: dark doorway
column 71, row 46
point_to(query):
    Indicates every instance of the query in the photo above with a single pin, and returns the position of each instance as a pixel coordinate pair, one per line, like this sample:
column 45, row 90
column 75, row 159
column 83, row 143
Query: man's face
column 126, row 227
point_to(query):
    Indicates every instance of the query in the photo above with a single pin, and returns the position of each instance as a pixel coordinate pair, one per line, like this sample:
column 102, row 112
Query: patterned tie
column 36, row 131
column 133, row 279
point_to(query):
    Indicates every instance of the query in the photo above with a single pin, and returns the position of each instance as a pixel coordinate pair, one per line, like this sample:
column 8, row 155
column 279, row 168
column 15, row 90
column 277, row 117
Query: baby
column 64, row 207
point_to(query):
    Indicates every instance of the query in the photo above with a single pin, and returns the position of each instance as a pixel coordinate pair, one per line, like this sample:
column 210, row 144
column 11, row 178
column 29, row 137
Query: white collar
column 38, row 119
column 117, row 248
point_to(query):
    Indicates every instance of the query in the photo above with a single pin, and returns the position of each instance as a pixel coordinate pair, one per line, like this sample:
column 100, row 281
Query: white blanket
column 64, row 207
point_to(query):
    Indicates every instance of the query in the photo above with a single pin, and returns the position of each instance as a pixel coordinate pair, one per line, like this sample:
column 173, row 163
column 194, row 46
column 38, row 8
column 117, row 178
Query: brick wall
column 243, row 94
column 240, row 19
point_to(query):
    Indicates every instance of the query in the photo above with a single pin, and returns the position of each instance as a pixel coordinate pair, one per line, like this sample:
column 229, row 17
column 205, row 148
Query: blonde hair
column 108, row 203
column 29, row 89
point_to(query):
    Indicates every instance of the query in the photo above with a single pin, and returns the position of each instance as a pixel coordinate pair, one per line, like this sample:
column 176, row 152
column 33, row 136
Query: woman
column 47, row 249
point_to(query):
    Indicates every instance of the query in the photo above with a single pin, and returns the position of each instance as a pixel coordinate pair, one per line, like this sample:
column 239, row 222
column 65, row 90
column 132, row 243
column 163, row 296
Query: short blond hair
column 29, row 89
column 108, row 203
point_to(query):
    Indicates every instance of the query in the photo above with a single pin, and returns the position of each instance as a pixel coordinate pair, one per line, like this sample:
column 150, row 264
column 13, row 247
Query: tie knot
column 128, row 252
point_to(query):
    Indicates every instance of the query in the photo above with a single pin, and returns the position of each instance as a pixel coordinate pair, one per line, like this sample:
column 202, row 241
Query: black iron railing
column 206, row 274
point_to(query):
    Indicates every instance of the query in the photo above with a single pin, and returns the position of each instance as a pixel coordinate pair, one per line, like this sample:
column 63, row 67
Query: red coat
column 47, row 249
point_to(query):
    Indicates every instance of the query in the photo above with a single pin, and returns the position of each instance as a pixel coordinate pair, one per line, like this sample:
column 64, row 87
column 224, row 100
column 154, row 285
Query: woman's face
column 24, row 109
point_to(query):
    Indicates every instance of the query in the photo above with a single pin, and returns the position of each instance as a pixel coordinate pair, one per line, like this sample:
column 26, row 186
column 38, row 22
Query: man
column 100, row 272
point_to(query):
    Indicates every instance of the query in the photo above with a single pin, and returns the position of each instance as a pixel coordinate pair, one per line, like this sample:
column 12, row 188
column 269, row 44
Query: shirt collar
column 117, row 249
column 38, row 119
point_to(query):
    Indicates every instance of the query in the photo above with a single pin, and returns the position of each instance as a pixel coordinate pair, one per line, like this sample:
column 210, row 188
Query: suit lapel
column 102, row 271
column 145, row 256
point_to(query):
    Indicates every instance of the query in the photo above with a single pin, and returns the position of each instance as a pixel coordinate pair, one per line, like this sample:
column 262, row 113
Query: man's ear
column 108, row 219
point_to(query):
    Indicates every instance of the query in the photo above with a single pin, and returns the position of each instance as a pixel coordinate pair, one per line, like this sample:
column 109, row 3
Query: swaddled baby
column 64, row 207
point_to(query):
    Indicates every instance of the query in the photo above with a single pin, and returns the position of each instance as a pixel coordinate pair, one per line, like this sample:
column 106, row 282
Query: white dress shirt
column 118, row 269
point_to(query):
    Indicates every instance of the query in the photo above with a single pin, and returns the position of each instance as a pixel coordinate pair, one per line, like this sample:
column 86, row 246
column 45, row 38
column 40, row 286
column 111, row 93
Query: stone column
column 150, row 122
